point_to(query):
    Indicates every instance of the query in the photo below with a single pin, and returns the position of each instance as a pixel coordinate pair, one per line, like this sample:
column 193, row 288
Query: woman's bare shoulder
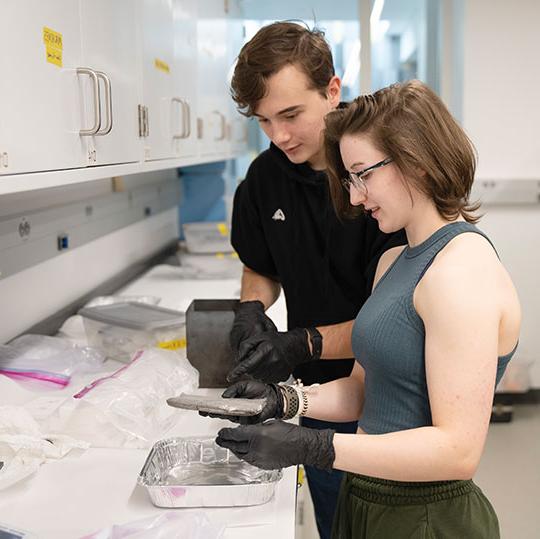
column 386, row 260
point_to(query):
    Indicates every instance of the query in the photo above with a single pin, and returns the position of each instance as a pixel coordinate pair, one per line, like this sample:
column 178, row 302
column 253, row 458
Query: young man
column 287, row 234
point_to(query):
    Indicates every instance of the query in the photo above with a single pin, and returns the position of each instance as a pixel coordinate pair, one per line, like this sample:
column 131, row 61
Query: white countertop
column 87, row 491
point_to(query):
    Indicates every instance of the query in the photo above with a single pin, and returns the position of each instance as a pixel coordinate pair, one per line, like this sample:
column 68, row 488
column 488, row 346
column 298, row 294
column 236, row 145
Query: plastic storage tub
column 207, row 237
column 121, row 329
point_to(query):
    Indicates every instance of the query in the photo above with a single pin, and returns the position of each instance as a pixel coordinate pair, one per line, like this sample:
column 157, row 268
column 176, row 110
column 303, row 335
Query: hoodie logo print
column 278, row 215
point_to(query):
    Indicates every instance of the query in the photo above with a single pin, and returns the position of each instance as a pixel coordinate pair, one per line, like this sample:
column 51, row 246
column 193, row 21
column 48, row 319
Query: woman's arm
column 340, row 400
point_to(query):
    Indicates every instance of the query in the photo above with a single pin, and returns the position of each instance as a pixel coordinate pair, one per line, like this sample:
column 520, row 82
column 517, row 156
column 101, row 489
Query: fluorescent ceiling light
column 353, row 66
column 376, row 12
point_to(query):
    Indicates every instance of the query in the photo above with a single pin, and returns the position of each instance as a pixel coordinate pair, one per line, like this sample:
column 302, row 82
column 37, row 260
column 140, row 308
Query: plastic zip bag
column 47, row 360
column 125, row 408
column 170, row 525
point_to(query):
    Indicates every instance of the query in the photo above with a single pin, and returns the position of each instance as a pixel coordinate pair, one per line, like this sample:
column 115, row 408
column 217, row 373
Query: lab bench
column 93, row 489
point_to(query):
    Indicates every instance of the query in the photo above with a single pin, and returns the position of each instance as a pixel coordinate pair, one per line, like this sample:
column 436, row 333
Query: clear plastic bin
column 121, row 329
column 207, row 237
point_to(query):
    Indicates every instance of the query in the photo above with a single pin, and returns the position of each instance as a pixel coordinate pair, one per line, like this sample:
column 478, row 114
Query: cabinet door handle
column 182, row 134
column 187, row 116
column 108, row 104
column 97, row 111
column 223, row 125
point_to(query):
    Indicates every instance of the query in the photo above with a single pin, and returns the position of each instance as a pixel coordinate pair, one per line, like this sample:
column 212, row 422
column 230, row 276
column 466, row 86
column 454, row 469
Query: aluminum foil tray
column 195, row 472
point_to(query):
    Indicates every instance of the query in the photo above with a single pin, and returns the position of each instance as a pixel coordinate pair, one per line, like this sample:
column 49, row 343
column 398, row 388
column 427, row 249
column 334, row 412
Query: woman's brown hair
column 409, row 123
column 273, row 47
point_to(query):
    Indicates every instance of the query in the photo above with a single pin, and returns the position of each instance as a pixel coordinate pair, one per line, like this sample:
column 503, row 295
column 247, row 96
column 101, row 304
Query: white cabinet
column 185, row 75
column 109, row 45
column 238, row 122
column 40, row 97
column 69, row 95
column 165, row 112
column 132, row 85
column 213, row 67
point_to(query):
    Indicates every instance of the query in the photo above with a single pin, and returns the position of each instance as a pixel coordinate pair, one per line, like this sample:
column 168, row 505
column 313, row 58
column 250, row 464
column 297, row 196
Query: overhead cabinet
column 137, row 83
column 169, row 57
column 185, row 76
column 109, row 48
column 41, row 90
column 68, row 96
column 213, row 67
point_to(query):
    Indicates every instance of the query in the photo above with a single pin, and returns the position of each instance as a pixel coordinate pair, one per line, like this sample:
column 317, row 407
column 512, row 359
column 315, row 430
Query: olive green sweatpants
column 371, row 508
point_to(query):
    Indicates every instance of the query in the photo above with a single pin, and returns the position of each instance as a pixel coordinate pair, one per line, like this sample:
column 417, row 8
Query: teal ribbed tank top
column 388, row 340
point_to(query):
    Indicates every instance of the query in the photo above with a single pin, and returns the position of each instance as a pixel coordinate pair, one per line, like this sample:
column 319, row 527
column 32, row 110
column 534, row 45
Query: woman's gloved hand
column 272, row 356
column 250, row 389
column 277, row 444
column 249, row 320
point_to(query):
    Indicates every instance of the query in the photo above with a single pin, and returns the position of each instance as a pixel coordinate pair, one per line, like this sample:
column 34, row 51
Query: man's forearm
column 336, row 340
column 258, row 287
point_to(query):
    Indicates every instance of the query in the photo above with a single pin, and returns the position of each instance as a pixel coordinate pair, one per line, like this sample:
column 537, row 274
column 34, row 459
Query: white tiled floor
column 509, row 475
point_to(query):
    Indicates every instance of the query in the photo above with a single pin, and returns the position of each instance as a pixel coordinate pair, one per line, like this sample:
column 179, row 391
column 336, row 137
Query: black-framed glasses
column 358, row 179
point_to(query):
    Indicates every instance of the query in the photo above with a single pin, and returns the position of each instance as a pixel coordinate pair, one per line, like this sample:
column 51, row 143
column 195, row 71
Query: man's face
column 292, row 115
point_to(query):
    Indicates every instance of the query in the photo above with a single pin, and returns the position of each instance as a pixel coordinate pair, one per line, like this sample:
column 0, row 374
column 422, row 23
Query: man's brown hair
column 273, row 47
column 409, row 123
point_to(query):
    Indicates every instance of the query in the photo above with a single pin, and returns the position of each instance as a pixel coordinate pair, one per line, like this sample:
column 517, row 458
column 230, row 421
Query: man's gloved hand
column 272, row 357
column 277, row 444
column 249, row 320
column 250, row 389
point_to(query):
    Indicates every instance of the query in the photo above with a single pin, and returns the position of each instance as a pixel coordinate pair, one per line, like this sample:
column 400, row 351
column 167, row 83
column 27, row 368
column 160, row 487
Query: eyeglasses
column 358, row 179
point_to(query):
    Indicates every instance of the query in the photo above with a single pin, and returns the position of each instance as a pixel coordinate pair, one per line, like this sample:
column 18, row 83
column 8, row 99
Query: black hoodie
column 284, row 227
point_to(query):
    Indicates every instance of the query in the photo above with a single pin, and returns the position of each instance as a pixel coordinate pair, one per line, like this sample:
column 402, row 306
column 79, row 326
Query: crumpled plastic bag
column 127, row 408
column 170, row 525
column 24, row 446
column 46, row 362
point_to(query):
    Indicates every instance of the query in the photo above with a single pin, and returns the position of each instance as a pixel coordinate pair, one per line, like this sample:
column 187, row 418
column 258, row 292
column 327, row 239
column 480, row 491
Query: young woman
column 430, row 343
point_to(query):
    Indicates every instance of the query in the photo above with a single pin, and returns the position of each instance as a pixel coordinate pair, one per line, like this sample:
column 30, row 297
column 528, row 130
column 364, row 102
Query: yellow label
column 300, row 476
column 220, row 255
column 223, row 230
column 54, row 56
column 234, row 254
column 52, row 39
column 172, row 345
column 161, row 65
column 53, row 46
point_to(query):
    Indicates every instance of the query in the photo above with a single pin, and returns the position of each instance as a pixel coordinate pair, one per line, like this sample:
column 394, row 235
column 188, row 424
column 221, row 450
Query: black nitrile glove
column 250, row 389
column 277, row 444
column 249, row 320
column 272, row 357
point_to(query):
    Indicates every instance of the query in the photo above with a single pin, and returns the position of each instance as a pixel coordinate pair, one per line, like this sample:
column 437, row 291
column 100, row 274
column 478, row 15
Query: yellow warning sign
column 52, row 38
column 53, row 46
column 54, row 56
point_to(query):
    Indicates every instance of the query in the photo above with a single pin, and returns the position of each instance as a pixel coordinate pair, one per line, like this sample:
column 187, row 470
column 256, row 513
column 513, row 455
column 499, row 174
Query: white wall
column 515, row 231
column 32, row 295
column 501, row 114
column 501, row 76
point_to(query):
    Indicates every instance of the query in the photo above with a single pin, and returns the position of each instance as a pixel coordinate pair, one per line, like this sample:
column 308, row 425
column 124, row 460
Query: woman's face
column 387, row 198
